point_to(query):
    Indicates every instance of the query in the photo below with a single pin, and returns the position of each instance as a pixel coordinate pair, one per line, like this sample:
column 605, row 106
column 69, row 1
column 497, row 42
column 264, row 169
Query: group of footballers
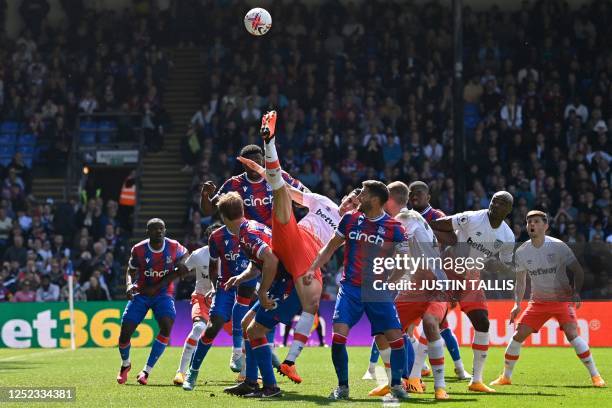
column 262, row 267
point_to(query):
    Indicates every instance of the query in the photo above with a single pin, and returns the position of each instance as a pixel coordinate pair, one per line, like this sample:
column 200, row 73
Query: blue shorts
column 137, row 308
column 349, row 309
column 286, row 306
column 223, row 303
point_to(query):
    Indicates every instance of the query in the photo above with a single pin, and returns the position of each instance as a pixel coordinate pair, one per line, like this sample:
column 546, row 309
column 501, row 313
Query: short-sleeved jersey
column 367, row 239
column 421, row 244
column 200, row 260
column 323, row 216
column 432, row 214
column 546, row 267
column 257, row 195
column 151, row 266
column 254, row 238
column 474, row 228
column 225, row 247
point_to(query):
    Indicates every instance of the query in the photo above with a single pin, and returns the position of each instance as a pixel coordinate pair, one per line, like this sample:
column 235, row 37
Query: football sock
column 340, row 358
column 124, row 351
column 251, row 363
column 374, row 353
column 159, row 345
column 480, row 347
column 273, row 168
column 511, row 357
column 584, row 354
column 419, row 357
column 435, row 349
column 263, row 355
column 385, row 356
column 300, row 335
column 451, row 343
column 241, row 306
column 398, row 360
column 409, row 357
column 190, row 344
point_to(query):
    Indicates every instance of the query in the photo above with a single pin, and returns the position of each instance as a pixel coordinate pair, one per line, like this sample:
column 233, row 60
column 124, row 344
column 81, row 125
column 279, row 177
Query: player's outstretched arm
column 207, row 204
column 326, row 253
column 444, row 224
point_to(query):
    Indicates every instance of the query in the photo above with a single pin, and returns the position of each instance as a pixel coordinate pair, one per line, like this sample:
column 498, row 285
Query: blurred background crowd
column 363, row 91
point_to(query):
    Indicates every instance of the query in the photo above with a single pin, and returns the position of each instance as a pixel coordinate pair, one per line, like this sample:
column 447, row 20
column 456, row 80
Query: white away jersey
column 199, row 260
column 323, row 216
column 422, row 242
column 474, row 228
column 546, row 267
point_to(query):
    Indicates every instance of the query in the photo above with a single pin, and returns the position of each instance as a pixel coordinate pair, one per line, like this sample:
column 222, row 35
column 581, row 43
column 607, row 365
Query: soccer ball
column 258, row 21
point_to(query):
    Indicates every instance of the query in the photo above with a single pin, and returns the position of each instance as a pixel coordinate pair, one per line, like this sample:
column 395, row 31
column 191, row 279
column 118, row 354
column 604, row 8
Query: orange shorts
column 200, row 306
column 295, row 247
column 537, row 313
column 411, row 312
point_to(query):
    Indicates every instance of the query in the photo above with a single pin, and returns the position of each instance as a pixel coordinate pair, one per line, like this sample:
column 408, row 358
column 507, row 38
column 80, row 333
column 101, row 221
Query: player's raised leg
column 308, row 287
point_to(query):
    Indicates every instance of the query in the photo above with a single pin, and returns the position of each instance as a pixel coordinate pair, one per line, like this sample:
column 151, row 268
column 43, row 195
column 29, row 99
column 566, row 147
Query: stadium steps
column 165, row 190
column 46, row 187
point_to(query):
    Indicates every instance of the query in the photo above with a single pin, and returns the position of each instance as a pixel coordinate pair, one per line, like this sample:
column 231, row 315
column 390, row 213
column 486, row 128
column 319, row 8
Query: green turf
column 543, row 377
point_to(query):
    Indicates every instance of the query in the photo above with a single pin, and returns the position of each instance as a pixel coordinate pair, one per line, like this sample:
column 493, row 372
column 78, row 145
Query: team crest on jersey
column 268, row 187
column 463, row 220
column 497, row 244
column 244, row 189
column 381, row 230
column 478, row 233
column 244, row 264
column 168, row 259
column 226, row 241
column 147, row 259
column 360, row 220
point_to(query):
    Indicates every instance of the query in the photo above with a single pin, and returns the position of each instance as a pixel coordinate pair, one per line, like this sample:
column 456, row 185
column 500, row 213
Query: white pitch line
column 31, row 355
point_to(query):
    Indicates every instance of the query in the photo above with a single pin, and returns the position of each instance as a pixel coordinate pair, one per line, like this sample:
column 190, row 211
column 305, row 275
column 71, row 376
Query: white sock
column 420, row 355
column 512, row 354
column 459, row 365
column 385, row 355
column 436, row 359
column 480, row 348
column 191, row 343
column 300, row 335
column 147, row 368
column 125, row 363
column 584, row 354
column 273, row 169
column 236, row 351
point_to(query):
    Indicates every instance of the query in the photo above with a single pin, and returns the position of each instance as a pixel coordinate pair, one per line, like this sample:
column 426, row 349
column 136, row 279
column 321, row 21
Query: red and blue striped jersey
column 432, row 214
column 151, row 266
column 254, row 238
column 257, row 196
column 225, row 247
column 365, row 240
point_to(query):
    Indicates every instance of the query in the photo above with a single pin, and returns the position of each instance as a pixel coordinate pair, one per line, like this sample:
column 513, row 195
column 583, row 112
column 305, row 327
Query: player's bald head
column 398, row 192
column 503, row 195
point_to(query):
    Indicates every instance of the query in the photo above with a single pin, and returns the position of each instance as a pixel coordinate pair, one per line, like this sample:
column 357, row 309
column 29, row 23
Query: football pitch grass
column 543, row 377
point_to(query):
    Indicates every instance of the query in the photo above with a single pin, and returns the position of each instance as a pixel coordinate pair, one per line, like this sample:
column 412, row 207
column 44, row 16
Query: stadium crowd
column 96, row 62
column 371, row 97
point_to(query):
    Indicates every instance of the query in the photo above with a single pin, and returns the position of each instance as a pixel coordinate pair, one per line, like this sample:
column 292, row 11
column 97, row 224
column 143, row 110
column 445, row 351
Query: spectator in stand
column 25, row 294
column 47, row 292
column 94, row 291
